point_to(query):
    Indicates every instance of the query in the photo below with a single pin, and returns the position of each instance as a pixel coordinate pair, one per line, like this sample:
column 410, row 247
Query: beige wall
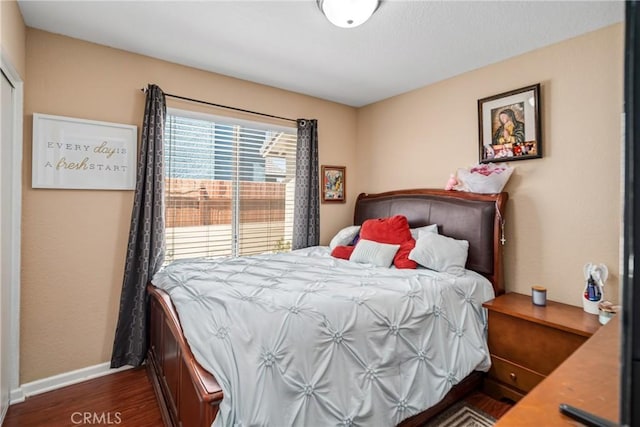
column 13, row 35
column 74, row 241
column 565, row 208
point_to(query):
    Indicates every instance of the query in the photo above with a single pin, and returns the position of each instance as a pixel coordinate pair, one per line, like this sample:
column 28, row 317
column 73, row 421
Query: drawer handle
column 513, row 376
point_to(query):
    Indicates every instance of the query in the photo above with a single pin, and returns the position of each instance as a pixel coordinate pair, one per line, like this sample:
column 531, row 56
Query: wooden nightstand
column 527, row 342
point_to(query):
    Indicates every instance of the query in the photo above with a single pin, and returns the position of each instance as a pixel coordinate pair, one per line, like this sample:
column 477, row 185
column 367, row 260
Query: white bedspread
column 305, row 339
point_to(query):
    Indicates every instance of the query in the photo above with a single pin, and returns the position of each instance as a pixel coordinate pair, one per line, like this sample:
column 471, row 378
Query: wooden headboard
column 477, row 218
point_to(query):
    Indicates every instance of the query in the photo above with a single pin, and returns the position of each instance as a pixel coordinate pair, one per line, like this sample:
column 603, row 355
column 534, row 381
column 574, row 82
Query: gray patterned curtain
column 306, row 216
column 145, row 252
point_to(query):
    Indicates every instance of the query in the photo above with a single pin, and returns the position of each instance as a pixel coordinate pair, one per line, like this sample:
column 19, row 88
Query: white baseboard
column 61, row 380
column 16, row 396
column 3, row 414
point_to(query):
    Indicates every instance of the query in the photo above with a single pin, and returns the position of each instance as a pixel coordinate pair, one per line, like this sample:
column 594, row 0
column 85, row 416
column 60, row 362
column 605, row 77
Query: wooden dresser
column 528, row 342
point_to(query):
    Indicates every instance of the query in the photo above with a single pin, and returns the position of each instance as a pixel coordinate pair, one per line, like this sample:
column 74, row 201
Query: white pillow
column 441, row 253
column 416, row 232
column 370, row 252
column 344, row 236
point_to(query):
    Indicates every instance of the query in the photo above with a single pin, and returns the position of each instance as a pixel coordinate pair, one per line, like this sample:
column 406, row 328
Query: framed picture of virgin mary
column 509, row 125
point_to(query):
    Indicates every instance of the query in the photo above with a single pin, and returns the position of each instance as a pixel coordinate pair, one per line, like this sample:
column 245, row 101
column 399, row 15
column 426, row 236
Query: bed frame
column 189, row 396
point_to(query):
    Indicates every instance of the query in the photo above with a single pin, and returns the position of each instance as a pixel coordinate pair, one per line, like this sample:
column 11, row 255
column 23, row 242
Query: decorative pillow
column 401, row 259
column 415, row 232
column 393, row 230
column 342, row 252
column 370, row 252
column 344, row 237
column 441, row 253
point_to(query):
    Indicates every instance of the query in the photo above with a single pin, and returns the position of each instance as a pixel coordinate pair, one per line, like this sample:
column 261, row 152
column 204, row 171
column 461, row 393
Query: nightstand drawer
column 538, row 347
column 513, row 375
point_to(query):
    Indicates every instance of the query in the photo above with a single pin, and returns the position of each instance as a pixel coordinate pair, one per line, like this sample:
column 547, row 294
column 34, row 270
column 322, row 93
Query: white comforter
column 309, row 340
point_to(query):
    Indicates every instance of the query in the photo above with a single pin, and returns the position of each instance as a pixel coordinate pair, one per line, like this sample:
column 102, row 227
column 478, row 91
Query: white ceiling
column 290, row 44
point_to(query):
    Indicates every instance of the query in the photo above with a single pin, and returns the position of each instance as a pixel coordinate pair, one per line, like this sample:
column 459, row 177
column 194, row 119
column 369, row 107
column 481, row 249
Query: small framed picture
column 334, row 180
column 509, row 125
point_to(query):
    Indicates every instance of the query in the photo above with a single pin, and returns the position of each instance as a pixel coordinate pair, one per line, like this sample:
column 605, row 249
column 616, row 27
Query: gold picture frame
column 333, row 184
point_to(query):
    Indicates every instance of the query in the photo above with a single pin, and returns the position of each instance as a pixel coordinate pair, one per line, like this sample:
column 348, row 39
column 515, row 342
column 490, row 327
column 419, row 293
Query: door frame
column 6, row 66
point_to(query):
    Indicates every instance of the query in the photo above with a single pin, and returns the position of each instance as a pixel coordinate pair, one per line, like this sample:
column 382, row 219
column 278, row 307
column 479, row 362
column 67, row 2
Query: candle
column 539, row 295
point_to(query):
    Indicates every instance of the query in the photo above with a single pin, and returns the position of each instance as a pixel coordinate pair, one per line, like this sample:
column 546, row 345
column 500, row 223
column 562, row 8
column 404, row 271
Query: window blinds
column 229, row 186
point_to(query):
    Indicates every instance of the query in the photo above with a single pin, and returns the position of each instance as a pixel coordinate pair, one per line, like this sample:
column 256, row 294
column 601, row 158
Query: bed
column 189, row 395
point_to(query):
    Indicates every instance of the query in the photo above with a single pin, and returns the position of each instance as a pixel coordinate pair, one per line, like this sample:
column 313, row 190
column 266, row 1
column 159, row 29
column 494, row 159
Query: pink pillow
column 393, row 230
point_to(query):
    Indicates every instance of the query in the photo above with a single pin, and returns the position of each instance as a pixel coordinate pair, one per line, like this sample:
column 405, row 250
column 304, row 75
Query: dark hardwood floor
column 488, row 405
column 126, row 399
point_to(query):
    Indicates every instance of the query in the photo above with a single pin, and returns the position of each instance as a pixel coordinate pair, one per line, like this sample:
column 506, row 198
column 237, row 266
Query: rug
column 462, row 415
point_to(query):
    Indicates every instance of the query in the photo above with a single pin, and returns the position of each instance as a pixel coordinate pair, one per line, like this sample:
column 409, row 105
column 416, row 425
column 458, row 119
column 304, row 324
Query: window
column 229, row 186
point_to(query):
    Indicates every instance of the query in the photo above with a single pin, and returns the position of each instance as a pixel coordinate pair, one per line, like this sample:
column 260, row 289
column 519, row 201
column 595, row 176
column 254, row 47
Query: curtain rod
column 184, row 98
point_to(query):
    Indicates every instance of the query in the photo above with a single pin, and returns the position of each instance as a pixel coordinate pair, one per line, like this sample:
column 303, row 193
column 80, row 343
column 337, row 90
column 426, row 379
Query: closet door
column 7, row 93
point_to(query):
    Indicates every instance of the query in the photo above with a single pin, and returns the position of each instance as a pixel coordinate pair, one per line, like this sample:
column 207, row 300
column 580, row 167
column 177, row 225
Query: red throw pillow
column 342, row 252
column 393, row 230
column 401, row 260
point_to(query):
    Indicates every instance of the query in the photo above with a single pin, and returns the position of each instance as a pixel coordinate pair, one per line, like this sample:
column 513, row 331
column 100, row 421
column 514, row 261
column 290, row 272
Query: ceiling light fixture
column 348, row 13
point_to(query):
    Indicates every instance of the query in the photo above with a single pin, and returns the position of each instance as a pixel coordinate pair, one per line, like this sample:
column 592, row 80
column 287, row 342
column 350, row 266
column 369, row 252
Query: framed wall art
column 333, row 182
column 509, row 125
column 83, row 154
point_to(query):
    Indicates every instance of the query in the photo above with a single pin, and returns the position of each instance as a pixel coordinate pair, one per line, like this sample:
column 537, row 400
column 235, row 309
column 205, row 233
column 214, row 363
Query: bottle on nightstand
column 594, row 275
